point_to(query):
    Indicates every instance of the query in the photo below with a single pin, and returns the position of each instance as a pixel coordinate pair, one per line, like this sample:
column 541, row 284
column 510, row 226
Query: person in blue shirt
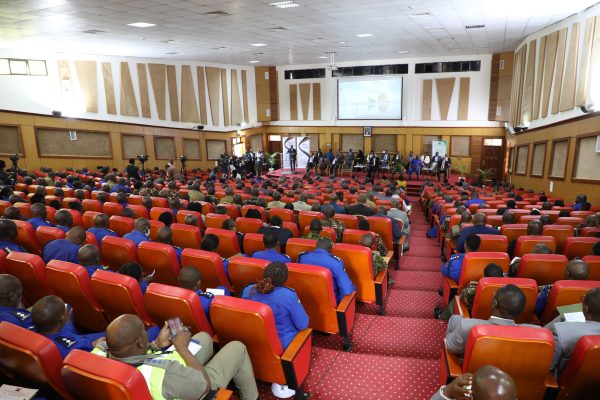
column 342, row 285
column 11, row 308
column 290, row 316
column 135, row 271
column 121, row 186
column 478, row 227
column 576, row 270
column 100, row 228
column 165, row 236
column 89, row 258
column 271, row 252
column 8, row 234
column 190, row 278
column 474, row 200
column 579, row 201
column 210, row 242
column 140, row 233
column 65, row 249
column 64, row 220
column 414, row 166
column 453, row 266
column 337, row 208
column 38, row 216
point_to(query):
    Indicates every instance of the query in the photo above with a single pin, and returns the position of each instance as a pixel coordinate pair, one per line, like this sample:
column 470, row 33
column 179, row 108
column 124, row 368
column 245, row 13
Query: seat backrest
column 4, row 204
column 295, row 246
column 292, row 227
column 545, row 269
column 154, row 228
column 524, row 353
column 305, row 217
column 513, row 231
column 186, row 236
column 594, row 263
column 213, row 220
column 525, row 244
column 524, row 219
column 493, row 243
column 31, row 359
column 181, row 214
column 383, row 227
column 119, row 294
column 564, row 293
column 26, row 237
column 581, row 377
column 45, row 234
column 71, row 283
column 159, row 202
column 91, row 205
column 475, row 262
column 155, row 212
column 262, row 211
column 283, row 213
column 210, row 266
column 244, row 271
column 350, row 221
column 228, row 241
column 88, row 219
column 253, row 242
column 358, row 261
column 117, row 251
column 248, row 225
column 121, row 225
column 207, row 207
column 160, row 259
column 579, row 246
column 573, row 221
column 560, row 233
column 139, row 211
column 30, row 270
column 89, row 376
column 590, row 231
column 353, row 236
column 24, row 209
column 135, row 199
column 253, row 324
column 164, row 302
column 487, row 288
column 110, row 208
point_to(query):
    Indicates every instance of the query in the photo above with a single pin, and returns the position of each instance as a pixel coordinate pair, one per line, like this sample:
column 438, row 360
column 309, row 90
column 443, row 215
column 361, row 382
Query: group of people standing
column 436, row 165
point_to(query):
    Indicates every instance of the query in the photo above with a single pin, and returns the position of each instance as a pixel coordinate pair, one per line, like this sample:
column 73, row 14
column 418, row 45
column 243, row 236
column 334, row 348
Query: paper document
column 9, row 392
column 216, row 292
column 574, row 317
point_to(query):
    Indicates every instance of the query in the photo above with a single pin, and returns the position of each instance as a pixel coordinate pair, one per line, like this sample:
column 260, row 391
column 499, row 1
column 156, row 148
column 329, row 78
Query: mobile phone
column 150, row 276
column 174, row 326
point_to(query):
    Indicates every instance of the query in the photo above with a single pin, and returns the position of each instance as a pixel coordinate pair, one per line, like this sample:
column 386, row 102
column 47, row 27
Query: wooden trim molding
column 574, row 169
column 538, row 143
column 553, row 147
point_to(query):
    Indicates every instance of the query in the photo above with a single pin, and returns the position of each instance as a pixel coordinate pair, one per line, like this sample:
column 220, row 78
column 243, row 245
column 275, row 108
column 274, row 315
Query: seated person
column 190, row 278
column 136, row 271
column 165, row 236
column 338, row 226
column 478, row 227
column 12, row 213
column 579, row 201
column 283, row 235
column 190, row 220
column 576, row 270
column 396, row 231
column 166, row 218
column 89, row 258
column 315, row 229
column 361, row 208
column 321, row 256
column 11, row 308
column 474, row 199
column 507, row 305
column 181, row 374
column 100, row 228
column 271, row 252
column 230, row 225
column 534, row 228
column 540, row 248
column 140, row 233
column 64, row 220
column 276, row 203
column 364, row 225
column 210, row 242
column 65, row 249
column 453, row 266
column 487, row 383
column 38, row 216
column 455, row 231
column 566, row 334
column 290, row 317
column 379, row 263
column 8, row 235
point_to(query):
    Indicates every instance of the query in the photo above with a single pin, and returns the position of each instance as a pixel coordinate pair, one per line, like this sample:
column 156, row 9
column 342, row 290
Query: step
column 412, row 303
column 417, row 280
column 411, row 262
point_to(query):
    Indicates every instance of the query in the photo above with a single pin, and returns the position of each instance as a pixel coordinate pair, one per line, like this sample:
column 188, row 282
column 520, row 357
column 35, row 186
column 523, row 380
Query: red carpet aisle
column 395, row 356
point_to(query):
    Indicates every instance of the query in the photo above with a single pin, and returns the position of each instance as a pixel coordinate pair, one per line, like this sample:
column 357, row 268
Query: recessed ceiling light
column 254, row 61
column 342, row 42
column 141, row 24
column 258, row 44
column 284, row 4
column 172, row 53
column 363, row 35
column 403, row 52
column 325, row 57
column 483, row 46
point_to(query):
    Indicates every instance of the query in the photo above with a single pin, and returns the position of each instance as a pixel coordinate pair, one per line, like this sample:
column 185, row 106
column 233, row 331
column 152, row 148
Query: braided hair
column 276, row 274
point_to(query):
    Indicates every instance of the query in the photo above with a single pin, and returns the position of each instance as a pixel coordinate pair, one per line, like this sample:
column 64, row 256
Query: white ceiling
column 421, row 27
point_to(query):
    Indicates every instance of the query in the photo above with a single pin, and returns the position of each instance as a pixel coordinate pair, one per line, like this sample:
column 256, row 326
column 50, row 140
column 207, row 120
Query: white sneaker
column 282, row 391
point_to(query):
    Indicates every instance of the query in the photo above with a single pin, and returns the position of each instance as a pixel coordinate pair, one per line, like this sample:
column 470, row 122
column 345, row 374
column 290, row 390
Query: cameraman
column 132, row 170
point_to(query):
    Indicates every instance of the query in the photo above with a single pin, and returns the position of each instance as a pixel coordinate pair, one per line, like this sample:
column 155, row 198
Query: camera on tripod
column 15, row 158
column 143, row 158
column 183, row 159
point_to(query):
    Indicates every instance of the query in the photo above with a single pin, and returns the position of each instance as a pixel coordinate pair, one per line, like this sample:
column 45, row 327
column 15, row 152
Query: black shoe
column 436, row 312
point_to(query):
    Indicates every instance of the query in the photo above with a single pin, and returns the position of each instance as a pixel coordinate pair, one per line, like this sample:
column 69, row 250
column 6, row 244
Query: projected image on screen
column 370, row 99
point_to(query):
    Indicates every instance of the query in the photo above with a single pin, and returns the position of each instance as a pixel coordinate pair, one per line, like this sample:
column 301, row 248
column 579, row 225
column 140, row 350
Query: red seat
column 77, row 221
column 109, row 208
column 513, row 231
column 253, row 324
column 90, row 238
column 573, row 221
column 594, row 263
column 350, row 221
column 4, row 204
column 495, row 220
column 71, row 283
column 295, row 246
column 160, row 259
column 564, row 293
column 524, row 219
column 262, row 211
column 545, row 269
column 525, row 244
column 117, row 251
column 121, row 225
column 88, row 219
column 67, row 200
column 253, row 242
column 207, row 207
column 119, row 294
column 232, row 210
column 91, row 205
column 579, row 246
column 159, row 202
column 493, row 243
column 186, row 236
column 210, row 266
column 30, row 270
column 32, row 360
column 155, row 212
column 590, row 231
column 283, row 213
column 248, row 225
column 135, row 199
column 383, row 227
column 326, row 232
column 164, row 302
column 292, row 227
column 228, row 241
column 560, row 233
column 353, row 236
column 139, row 211
column 181, row 214
column 244, row 271
column 580, row 379
column 24, row 209
column 213, row 220
column 45, row 234
column 26, row 237
column 154, row 228
column 305, row 217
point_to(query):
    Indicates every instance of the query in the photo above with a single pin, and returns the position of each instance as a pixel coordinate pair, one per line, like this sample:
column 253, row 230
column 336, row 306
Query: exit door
column 493, row 157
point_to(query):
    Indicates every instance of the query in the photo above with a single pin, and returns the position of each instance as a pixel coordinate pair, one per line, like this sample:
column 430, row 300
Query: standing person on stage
column 446, row 165
column 260, row 159
column 349, row 159
column 436, row 163
column 311, row 163
column 291, row 151
column 372, row 163
column 385, row 159
column 414, row 166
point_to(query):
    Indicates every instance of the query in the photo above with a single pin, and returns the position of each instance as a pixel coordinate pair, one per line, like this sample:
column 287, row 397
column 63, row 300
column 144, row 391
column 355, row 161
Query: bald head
column 76, row 235
column 479, row 219
column 165, row 235
column 10, row 291
column 126, row 337
column 577, row 270
column 189, row 278
column 141, row 225
column 534, row 228
column 38, row 210
column 491, row 383
column 508, row 302
column 89, row 255
column 101, row 221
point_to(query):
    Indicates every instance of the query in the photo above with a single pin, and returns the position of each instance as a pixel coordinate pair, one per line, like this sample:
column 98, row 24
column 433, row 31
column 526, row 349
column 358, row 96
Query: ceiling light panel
column 284, row 4
column 141, row 24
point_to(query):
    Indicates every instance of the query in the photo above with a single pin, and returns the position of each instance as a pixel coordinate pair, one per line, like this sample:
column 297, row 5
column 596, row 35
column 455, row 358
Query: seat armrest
column 345, row 314
column 223, row 394
column 296, row 359
column 381, row 287
column 460, row 307
column 451, row 367
column 450, row 289
column 550, row 381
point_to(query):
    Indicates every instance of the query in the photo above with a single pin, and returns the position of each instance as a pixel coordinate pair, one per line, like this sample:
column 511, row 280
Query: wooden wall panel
column 584, row 66
column 273, row 94
column 225, row 96
column 316, row 90
column 128, row 103
column 560, row 68
column 426, row 100
column 56, row 143
column 549, row 64
column 11, row 140
column 567, row 92
column 133, row 146
column 520, row 79
column 143, row 85
column 476, row 152
column 173, row 95
column 191, row 149
column 304, row 99
column 527, row 102
column 159, row 85
column 463, row 99
column 293, row 102
column 109, row 88
column 245, row 95
column 444, row 87
column 501, row 110
column 538, row 79
column 164, row 148
column 263, row 94
column 236, row 101
column 213, row 79
column 88, row 82
column 214, row 148
column 189, row 106
column 202, row 94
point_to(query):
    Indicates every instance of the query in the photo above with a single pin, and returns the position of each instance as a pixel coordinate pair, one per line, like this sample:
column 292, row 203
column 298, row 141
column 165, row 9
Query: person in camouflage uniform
column 379, row 263
column 149, row 190
column 364, row 225
column 454, row 233
column 172, row 190
column 315, row 231
column 338, row 226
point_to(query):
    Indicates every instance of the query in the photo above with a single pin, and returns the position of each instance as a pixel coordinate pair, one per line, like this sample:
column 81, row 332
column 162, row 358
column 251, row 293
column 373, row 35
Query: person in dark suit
column 478, row 227
column 292, row 154
column 275, row 226
column 131, row 170
column 361, row 208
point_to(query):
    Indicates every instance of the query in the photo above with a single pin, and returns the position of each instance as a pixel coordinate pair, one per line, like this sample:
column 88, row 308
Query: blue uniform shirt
column 100, row 233
column 178, row 251
column 136, row 237
column 37, row 222
column 290, row 317
column 342, row 285
column 11, row 246
column 63, row 228
column 17, row 316
column 93, row 268
column 60, row 249
column 338, row 209
column 70, row 339
column 207, row 298
column 271, row 256
column 474, row 201
column 477, row 230
column 453, row 266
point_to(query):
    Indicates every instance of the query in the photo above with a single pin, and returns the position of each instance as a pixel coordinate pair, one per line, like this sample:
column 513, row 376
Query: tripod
column 183, row 168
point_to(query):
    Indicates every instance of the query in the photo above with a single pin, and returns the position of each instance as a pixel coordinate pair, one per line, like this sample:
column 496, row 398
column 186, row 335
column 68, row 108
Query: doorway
column 493, row 156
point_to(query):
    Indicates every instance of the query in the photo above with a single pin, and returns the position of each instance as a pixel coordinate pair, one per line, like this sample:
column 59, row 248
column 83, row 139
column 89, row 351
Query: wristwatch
column 443, row 395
